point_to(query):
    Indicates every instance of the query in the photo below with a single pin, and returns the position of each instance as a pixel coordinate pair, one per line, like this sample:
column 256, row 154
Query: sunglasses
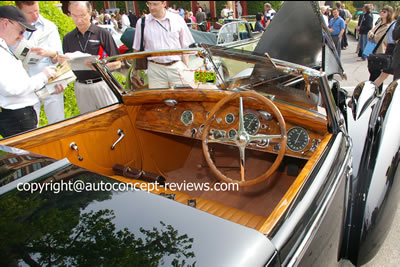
column 383, row 11
column 153, row 4
column 21, row 32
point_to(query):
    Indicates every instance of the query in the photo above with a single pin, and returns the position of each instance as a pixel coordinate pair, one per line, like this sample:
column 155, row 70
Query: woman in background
column 390, row 45
column 377, row 33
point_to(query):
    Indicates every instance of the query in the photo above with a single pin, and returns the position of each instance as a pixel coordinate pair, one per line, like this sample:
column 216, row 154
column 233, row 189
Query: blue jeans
column 363, row 43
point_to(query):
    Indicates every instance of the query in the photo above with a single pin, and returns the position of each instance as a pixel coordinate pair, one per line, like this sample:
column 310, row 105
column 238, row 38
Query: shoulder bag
column 141, row 63
column 371, row 46
column 379, row 62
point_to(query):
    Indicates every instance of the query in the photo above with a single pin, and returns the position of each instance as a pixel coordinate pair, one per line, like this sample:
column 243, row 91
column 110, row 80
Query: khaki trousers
column 93, row 96
column 167, row 76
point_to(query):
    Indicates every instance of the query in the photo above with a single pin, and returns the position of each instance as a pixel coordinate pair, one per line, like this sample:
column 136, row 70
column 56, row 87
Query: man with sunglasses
column 17, row 95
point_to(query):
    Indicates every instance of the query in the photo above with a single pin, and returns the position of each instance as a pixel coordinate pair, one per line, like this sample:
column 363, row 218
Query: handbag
column 380, row 62
column 141, row 63
column 369, row 48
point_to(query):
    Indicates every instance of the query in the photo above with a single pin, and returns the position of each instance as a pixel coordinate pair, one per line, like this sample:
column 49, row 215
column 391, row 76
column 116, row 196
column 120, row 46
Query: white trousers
column 167, row 76
column 53, row 107
column 90, row 97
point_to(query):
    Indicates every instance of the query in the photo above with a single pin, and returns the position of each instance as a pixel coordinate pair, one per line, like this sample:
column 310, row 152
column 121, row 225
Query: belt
column 11, row 110
column 91, row 81
column 164, row 64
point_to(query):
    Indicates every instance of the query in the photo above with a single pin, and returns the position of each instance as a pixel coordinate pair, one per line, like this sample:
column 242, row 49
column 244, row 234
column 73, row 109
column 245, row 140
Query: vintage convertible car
column 231, row 34
column 267, row 164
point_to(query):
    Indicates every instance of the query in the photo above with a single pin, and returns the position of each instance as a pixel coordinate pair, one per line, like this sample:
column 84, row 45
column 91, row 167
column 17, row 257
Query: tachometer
column 251, row 123
column 297, row 139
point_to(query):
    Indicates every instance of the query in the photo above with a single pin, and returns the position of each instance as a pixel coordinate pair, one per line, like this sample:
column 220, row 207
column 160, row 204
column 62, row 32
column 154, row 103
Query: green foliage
column 99, row 5
column 7, row 3
column 121, row 78
column 121, row 5
column 184, row 4
column 350, row 7
column 142, row 6
column 70, row 106
column 359, row 4
column 64, row 23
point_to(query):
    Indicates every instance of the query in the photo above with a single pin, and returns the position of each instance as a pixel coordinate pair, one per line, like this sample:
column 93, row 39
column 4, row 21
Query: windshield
column 218, row 68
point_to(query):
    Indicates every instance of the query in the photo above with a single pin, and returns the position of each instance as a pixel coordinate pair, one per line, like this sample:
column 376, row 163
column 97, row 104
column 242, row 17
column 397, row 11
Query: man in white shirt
column 269, row 14
column 17, row 95
column 126, row 23
column 163, row 30
column 47, row 43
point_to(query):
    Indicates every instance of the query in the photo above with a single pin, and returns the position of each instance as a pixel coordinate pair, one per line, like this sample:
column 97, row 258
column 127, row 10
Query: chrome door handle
column 121, row 136
column 74, row 146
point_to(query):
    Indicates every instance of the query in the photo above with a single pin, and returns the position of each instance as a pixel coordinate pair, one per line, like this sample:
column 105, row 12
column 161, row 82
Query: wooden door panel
column 94, row 134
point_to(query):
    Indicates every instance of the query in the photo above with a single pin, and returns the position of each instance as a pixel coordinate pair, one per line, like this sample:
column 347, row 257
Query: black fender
column 373, row 187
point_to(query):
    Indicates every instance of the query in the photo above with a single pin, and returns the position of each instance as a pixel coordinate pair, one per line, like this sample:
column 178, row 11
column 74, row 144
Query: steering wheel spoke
column 222, row 140
column 262, row 137
column 241, row 119
column 242, row 162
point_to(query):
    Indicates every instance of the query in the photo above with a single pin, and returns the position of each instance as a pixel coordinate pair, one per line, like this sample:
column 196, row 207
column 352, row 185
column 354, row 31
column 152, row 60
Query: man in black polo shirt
column 90, row 90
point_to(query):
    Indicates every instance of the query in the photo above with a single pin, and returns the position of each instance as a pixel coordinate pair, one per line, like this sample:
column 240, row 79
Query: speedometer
column 251, row 123
column 297, row 139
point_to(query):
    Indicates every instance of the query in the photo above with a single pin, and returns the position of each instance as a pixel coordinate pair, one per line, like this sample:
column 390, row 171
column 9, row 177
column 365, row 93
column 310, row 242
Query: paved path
column 389, row 254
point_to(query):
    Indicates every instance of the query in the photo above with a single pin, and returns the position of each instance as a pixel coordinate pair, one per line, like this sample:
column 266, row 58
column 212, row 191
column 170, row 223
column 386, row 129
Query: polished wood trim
column 73, row 125
column 291, row 114
column 290, row 195
column 93, row 133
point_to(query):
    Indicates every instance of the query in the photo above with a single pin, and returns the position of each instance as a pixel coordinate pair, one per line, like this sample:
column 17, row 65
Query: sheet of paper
column 79, row 60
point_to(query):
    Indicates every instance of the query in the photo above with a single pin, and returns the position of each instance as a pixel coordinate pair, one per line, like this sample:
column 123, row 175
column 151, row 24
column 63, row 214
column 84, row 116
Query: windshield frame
column 287, row 68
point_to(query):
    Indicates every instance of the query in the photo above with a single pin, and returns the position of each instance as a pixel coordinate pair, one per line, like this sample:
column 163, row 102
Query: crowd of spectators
column 382, row 36
column 24, row 22
column 122, row 20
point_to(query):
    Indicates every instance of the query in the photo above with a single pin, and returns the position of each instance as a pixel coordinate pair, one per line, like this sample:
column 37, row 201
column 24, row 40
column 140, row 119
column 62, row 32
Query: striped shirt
column 171, row 32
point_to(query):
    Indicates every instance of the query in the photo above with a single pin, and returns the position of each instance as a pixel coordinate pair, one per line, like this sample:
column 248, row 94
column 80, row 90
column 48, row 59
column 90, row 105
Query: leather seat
column 209, row 206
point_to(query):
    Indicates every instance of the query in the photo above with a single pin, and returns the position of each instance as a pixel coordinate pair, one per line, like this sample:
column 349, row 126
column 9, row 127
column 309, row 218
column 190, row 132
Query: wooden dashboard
column 187, row 117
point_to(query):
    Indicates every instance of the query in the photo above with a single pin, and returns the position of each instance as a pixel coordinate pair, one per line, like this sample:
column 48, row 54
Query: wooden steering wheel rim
column 271, row 106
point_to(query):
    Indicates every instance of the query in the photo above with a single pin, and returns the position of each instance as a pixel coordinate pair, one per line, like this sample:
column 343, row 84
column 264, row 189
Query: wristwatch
column 55, row 57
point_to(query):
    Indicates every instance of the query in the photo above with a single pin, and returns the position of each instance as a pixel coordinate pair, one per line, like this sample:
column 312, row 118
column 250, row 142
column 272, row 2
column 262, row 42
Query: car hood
column 91, row 226
column 298, row 34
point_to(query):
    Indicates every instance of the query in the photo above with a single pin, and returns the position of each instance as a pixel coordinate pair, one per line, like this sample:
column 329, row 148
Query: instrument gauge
column 229, row 118
column 232, row 133
column 187, row 117
column 297, row 139
column 251, row 123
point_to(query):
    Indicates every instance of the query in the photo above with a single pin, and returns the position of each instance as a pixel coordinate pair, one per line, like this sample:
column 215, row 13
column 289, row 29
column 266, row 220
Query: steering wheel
column 242, row 139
